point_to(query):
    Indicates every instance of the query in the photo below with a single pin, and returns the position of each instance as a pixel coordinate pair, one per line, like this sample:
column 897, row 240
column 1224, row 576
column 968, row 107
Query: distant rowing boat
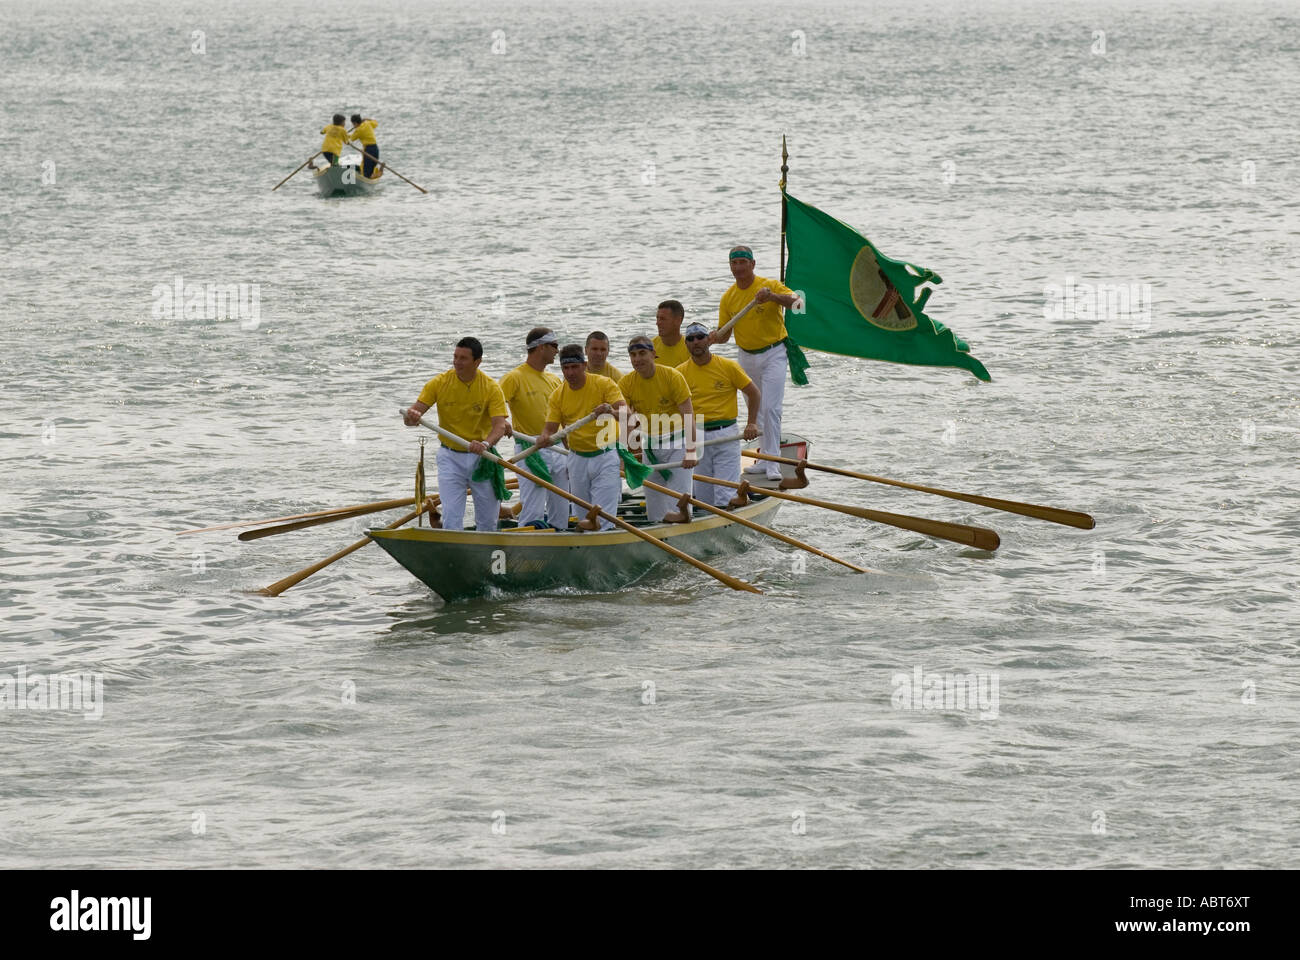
column 459, row 564
column 345, row 179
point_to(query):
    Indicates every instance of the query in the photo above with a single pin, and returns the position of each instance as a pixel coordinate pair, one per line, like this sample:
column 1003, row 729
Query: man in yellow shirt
column 364, row 130
column 598, row 356
column 670, row 348
column 470, row 405
column 527, row 389
column 335, row 136
column 714, row 382
column 761, row 337
column 594, row 462
column 662, row 398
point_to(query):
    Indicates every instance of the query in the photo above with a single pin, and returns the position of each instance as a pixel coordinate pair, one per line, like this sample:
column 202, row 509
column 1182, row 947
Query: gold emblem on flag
column 875, row 297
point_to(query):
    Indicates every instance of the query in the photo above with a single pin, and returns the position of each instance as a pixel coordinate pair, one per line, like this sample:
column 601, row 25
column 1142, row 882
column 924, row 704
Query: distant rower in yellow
column 662, row 397
column 364, row 130
column 335, row 137
column 527, row 389
column 714, row 381
column 593, row 467
column 761, row 337
column 670, row 348
column 470, row 404
column 598, row 355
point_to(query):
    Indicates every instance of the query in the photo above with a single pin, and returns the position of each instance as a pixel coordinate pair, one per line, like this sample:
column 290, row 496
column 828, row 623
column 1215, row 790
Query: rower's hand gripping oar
column 622, row 524
column 555, row 438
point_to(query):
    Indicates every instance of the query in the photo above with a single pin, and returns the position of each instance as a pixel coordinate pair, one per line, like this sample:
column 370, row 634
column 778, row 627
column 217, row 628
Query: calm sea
column 584, row 161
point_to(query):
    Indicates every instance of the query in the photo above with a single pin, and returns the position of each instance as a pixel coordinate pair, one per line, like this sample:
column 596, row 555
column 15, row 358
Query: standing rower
column 714, row 381
column 470, row 405
column 597, row 347
column 335, row 136
column 364, row 130
column 527, row 389
column 670, row 348
column 662, row 397
column 761, row 337
column 593, row 468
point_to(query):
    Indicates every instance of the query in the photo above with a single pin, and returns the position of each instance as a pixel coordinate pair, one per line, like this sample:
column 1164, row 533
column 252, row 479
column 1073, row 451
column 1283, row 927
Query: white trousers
column 538, row 502
column 454, row 470
column 767, row 370
column 656, row 503
column 596, row 480
column 721, row 460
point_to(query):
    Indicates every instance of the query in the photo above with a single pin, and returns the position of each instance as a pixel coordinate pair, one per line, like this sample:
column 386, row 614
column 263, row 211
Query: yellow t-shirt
column 608, row 370
column 671, row 356
column 661, row 394
column 466, row 409
column 527, row 392
column 714, row 385
column 334, row 138
column 567, row 406
column 762, row 326
column 365, row 132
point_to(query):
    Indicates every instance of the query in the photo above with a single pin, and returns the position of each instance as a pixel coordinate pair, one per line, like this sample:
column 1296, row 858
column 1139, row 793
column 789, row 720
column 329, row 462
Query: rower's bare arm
column 414, row 414
column 752, row 400
column 500, row 427
column 551, row 428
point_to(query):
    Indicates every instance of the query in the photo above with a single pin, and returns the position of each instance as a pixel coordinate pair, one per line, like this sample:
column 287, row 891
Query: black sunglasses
column 696, row 336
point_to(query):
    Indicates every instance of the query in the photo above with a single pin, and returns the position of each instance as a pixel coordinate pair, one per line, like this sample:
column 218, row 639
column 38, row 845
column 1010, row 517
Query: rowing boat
column 460, row 564
column 345, row 179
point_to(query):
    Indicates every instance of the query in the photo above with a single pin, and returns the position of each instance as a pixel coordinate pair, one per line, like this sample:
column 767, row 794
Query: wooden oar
column 981, row 537
column 302, row 524
column 555, row 437
column 725, row 329
column 277, row 588
column 1070, row 518
column 286, row 179
column 380, row 163
column 592, row 509
column 746, row 522
column 368, row 507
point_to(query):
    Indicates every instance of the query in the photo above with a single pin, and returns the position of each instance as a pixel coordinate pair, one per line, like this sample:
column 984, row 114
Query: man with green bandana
column 761, row 337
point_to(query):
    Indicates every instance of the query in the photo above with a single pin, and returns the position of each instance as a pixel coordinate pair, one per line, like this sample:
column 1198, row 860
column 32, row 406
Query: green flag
column 859, row 302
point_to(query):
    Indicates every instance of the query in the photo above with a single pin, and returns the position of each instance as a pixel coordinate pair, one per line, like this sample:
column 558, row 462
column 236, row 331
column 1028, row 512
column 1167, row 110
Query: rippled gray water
column 597, row 164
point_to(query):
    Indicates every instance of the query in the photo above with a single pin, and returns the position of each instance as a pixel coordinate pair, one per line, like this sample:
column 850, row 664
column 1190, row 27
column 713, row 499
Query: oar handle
column 558, row 435
column 725, row 329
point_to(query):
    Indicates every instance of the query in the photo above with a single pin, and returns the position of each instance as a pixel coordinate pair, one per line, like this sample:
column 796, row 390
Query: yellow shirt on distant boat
column 608, row 370
column 528, row 392
column 334, row 138
column 568, row 406
column 762, row 326
column 466, row 409
column 365, row 132
column 713, row 386
column 671, row 356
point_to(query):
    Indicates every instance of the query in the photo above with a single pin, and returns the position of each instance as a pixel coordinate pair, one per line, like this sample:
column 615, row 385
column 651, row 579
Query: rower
column 364, row 130
column 714, row 381
column 662, row 398
column 470, row 405
column 597, row 354
column 335, row 135
column 593, row 470
column 670, row 348
column 761, row 337
column 527, row 389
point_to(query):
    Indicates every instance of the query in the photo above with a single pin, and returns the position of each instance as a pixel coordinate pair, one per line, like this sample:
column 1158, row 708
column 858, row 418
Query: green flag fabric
column 537, row 466
column 860, row 303
column 634, row 471
column 491, row 470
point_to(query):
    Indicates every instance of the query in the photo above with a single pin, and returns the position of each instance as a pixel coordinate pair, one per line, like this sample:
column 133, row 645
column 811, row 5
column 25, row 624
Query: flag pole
column 785, row 169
